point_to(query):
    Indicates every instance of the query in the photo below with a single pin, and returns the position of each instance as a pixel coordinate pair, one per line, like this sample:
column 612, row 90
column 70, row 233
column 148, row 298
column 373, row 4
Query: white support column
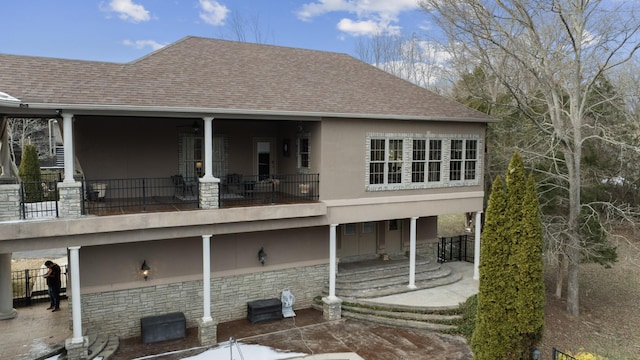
column 476, row 247
column 208, row 147
column 332, row 261
column 206, row 277
column 412, row 254
column 76, row 308
column 5, row 158
column 6, row 289
column 67, row 137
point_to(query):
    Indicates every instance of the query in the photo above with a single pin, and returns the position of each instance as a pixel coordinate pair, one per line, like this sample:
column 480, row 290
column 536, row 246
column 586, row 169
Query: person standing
column 54, row 284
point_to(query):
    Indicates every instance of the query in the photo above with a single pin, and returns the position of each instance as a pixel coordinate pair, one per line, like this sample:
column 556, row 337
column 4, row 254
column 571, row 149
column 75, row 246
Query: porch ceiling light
column 145, row 270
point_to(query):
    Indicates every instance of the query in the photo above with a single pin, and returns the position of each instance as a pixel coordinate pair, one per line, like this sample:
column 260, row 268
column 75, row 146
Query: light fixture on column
column 145, row 270
column 262, row 256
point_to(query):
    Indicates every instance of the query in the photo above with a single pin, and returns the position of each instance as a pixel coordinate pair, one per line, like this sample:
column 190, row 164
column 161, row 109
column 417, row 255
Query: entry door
column 393, row 236
column 264, row 161
column 358, row 239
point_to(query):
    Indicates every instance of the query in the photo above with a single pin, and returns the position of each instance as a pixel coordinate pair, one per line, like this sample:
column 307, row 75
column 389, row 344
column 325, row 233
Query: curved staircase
column 101, row 346
column 359, row 283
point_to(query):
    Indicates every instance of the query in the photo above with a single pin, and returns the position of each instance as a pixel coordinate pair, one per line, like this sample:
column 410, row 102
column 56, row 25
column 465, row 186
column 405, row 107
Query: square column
column 6, row 290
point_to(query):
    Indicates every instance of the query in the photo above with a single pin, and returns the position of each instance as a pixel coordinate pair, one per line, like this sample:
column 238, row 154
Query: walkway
column 36, row 331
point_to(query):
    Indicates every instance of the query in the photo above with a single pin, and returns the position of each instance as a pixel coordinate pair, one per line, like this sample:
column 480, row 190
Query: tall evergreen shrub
column 511, row 295
column 29, row 172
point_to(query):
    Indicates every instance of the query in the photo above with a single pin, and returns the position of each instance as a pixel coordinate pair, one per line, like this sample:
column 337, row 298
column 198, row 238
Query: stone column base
column 207, row 332
column 77, row 351
column 6, row 315
column 331, row 308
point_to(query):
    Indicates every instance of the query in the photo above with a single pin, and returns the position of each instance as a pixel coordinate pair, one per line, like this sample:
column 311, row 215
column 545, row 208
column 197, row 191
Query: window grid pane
column 471, row 154
column 435, row 158
column 304, row 153
column 394, row 168
column 419, row 159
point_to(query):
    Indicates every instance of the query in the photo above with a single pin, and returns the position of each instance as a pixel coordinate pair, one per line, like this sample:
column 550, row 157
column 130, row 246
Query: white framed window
column 304, row 152
column 426, row 161
column 386, row 164
column 463, row 160
column 399, row 161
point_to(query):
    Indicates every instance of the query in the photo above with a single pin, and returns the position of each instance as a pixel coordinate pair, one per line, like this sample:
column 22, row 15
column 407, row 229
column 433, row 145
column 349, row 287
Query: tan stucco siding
column 115, row 267
column 344, row 143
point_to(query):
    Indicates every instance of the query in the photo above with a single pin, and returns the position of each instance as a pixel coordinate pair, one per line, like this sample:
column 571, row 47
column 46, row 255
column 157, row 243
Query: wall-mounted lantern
column 262, row 256
column 145, row 270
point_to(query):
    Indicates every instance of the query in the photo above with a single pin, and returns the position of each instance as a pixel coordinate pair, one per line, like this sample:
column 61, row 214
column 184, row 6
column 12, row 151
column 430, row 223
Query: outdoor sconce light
column 535, row 354
column 262, row 256
column 145, row 269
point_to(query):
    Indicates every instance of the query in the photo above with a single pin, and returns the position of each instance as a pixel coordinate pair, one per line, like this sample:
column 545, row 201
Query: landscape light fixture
column 145, row 269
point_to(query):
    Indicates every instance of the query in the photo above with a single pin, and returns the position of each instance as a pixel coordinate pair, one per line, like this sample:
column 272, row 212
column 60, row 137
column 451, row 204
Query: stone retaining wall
column 119, row 312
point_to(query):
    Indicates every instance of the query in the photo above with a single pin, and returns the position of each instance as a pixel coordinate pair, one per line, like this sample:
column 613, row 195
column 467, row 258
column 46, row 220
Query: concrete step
column 377, row 282
column 101, row 346
column 110, row 348
column 424, row 321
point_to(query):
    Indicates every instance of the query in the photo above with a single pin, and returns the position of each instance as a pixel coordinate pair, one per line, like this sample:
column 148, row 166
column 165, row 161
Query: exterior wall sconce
column 262, row 256
column 145, row 270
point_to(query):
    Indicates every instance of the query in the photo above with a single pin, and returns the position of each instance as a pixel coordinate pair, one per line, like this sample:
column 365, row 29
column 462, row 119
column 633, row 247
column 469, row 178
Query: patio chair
column 180, row 186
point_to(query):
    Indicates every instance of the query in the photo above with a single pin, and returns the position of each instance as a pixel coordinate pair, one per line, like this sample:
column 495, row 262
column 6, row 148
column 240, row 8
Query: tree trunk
column 560, row 276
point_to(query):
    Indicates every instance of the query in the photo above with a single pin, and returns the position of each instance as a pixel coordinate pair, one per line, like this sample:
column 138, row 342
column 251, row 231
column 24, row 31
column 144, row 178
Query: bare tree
column 419, row 61
column 549, row 56
column 248, row 30
column 22, row 131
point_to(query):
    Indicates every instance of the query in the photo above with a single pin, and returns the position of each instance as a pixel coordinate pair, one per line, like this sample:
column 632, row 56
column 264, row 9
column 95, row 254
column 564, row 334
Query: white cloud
column 213, row 12
column 371, row 16
column 366, row 27
column 129, row 11
column 140, row 44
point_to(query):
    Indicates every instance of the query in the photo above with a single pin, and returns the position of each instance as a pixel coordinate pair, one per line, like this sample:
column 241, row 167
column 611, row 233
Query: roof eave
column 191, row 112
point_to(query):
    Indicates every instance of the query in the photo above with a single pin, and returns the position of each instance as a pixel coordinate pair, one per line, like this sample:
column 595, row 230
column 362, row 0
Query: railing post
column 27, row 289
column 144, row 195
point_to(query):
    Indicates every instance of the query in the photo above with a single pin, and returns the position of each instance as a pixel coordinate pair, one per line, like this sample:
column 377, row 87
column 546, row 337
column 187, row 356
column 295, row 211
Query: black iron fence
column 456, row 248
column 39, row 199
column 29, row 286
column 237, row 189
column 559, row 355
column 109, row 196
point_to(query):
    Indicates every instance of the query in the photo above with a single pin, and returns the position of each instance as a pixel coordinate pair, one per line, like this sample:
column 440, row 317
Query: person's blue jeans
column 54, row 296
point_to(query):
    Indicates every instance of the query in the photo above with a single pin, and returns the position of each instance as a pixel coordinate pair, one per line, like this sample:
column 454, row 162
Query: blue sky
column 124, row 30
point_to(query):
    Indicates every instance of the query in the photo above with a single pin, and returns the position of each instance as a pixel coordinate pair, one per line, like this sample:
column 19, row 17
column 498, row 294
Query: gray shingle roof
column 229, row 76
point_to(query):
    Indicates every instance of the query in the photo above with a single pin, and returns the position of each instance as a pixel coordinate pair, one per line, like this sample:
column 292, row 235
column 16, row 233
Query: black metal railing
column 29, row 286
column 39, row 199
column 108, row 196
column 455, row 248
column 559, row 355
column 239, row 190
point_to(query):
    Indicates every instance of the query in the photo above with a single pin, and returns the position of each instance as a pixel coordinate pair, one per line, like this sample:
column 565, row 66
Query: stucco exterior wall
column 119, row 312
column 117, row 266
column 344, row 144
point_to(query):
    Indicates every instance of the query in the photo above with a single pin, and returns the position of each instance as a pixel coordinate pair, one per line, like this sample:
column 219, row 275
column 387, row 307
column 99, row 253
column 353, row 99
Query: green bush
column 29, row 172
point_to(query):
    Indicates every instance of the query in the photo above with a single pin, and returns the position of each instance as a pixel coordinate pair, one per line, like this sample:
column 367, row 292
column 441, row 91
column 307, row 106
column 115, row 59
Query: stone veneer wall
column 9, row 202
column 119, row 312
column 209, row 193
column 70, row 204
